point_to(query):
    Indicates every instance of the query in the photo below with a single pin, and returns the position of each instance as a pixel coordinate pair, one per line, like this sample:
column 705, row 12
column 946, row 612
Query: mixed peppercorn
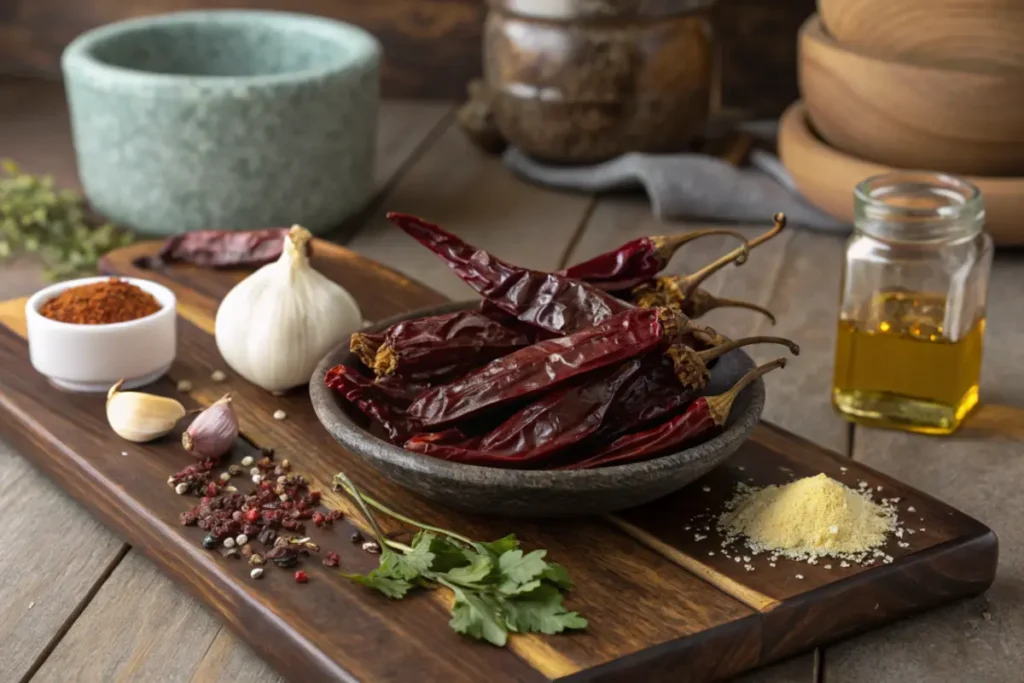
column 273, row 513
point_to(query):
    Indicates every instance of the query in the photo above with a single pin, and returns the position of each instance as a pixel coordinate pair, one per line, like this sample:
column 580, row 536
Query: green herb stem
column 352, row 491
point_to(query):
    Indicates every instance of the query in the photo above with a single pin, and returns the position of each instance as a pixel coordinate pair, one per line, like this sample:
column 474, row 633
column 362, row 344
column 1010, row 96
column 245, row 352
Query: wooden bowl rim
column 795, row 122
column 814, row 30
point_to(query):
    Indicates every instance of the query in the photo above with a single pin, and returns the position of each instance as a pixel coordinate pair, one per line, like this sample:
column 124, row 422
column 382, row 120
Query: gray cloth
column 689, row 186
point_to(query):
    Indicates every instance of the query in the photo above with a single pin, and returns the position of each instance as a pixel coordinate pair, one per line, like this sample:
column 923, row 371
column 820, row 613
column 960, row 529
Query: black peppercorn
column 209, row 542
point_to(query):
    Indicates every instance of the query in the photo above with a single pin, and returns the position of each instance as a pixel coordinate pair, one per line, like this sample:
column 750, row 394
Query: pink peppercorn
column 301, row 577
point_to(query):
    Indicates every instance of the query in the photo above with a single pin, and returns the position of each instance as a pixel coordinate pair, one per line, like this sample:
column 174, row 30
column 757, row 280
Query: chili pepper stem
column 689, row 283
column 691, row 365
column 702, row 302
column 720, row 405
column 364, row 348
column 343, row 480
column 385, row 362
column 666, row 246
column 722, row 349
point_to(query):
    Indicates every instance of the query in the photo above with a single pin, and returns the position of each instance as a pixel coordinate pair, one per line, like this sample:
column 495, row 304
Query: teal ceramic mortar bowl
column 226, row 119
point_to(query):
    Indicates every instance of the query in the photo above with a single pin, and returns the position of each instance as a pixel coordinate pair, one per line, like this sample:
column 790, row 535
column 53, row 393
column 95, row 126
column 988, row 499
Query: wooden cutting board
column 664, row 603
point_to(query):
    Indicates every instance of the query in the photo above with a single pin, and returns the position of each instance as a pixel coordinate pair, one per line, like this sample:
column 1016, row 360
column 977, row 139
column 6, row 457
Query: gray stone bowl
column 228, row 119
column 536, row 493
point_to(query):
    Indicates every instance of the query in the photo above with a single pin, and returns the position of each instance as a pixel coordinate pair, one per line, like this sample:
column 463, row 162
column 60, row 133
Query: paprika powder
column 100, row 303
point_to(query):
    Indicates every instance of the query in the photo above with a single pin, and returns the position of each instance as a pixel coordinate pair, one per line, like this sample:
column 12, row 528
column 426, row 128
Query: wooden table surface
column 77, row 603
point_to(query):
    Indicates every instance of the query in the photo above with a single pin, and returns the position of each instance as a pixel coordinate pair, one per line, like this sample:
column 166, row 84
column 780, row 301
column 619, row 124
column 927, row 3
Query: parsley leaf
column 478, row 571
column 497, row 587
column 410, row 565
column 478, row 615
column 499, row 547
column 391, row 587
column 541, row 611
column 558, row 575
column 520, row 568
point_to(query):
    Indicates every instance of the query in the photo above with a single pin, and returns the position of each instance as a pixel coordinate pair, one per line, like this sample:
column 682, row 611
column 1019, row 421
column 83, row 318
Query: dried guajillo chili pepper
column 224, row 248
column 542, row 367
column 371, row 400
column 365, row 345
column 444, row 344
column 553, row 423
column 652, row 393
column 701, row 418
column 638, row 260
column 692, row 366
column 402, row 391
column 667, row 292
column 549, row 301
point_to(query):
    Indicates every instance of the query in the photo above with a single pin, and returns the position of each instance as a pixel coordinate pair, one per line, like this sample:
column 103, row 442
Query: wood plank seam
column 410, row 160
column 54, row 641
column 581, row 228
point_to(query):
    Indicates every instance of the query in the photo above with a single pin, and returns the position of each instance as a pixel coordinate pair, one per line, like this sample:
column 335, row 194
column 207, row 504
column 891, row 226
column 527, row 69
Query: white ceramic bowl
column 90, row 358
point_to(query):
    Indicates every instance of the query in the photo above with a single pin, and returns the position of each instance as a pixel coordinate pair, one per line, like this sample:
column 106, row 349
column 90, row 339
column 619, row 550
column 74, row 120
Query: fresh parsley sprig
column 498, row 588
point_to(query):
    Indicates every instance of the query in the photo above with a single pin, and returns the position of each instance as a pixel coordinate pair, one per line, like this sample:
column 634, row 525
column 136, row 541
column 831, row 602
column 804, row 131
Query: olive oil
column 897, row 367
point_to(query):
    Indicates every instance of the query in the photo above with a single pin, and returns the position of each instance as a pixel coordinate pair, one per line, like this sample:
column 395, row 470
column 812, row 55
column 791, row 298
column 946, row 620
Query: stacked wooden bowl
column 916, row 84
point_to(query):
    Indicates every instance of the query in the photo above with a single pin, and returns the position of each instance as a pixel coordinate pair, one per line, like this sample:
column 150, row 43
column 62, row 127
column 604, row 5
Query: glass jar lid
column 918, row 206
column 600, row 9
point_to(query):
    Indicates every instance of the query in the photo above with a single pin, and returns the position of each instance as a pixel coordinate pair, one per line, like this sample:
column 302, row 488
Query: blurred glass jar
column 912, row 317
column 579, row 81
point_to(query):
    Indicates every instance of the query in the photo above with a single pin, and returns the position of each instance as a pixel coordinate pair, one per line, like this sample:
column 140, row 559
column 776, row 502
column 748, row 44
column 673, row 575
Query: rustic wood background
column 431, row 47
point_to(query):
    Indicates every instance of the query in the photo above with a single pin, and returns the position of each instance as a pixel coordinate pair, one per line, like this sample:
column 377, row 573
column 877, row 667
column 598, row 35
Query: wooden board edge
column 670, row 662
column 954, row 570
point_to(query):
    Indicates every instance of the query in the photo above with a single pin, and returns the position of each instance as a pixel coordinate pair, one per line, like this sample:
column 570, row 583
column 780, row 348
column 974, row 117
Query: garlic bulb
column 274, row 326
column 139, row 417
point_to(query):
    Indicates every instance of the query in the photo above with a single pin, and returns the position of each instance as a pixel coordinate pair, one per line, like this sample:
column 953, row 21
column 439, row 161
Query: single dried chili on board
column 100, row 303
column 637, row 261
column 703, row 416
column 223, row 248
column 541, row 367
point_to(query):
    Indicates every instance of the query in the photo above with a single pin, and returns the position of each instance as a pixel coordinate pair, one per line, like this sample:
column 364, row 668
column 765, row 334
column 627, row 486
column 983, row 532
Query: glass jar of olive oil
column 912, row 316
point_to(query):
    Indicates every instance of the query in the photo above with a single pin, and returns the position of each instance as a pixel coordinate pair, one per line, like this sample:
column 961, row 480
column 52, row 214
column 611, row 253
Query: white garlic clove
column 140, row 417
column 213, row 432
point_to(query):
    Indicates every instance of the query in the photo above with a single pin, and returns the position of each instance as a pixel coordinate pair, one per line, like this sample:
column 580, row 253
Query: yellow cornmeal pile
column 809, row 518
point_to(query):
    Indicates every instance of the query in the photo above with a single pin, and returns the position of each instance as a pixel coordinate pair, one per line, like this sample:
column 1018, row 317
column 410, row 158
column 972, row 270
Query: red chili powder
column 100, row 303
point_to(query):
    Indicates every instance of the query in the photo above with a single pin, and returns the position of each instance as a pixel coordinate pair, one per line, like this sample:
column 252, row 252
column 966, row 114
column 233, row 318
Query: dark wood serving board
column 663, row 603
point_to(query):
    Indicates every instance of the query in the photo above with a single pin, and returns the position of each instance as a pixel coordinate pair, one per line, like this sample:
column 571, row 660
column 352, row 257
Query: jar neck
column 918, row 207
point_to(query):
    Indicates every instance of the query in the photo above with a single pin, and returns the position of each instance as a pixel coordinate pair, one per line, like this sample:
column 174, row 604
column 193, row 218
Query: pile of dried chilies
column 599, row 364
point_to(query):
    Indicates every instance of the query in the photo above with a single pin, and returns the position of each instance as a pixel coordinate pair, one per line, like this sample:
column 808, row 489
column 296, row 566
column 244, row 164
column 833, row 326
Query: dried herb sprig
column 498, row 588
column 36, row 218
